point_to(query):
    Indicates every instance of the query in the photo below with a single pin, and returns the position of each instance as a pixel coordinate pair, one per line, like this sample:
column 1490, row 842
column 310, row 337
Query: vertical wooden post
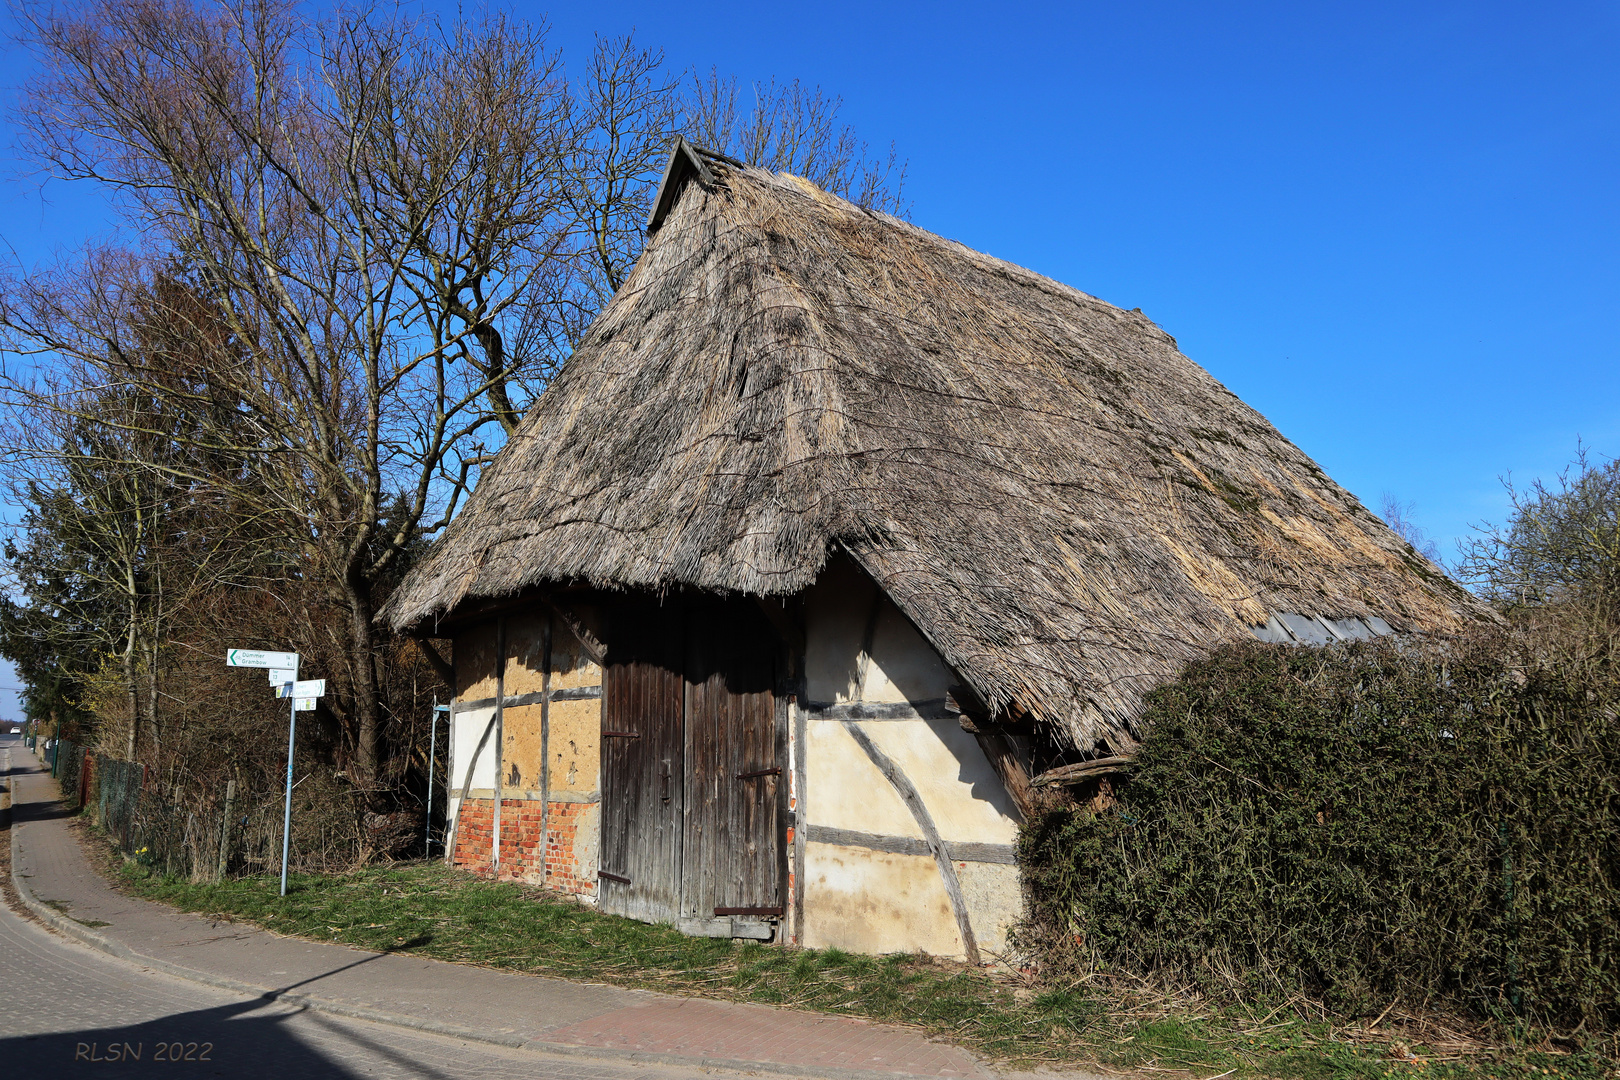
column 545, row 751
column 500, row 742
column 801, row 809
column 225, row 831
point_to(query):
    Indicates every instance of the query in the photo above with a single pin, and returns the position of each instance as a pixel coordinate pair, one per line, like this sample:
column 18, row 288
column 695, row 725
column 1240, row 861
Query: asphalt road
column 67, row 1010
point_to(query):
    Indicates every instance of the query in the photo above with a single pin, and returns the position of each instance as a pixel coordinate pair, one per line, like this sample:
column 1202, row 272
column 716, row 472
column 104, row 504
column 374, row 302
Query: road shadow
column 245, row 1040
column 42, row 810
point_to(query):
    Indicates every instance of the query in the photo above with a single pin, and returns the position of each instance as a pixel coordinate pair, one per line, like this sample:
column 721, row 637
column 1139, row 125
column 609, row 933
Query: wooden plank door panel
column 642, row 764
column 732, row 838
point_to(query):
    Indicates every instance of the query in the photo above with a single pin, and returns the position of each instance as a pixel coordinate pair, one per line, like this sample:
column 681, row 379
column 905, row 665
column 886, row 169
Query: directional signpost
column 283, row 668
column 255, row 658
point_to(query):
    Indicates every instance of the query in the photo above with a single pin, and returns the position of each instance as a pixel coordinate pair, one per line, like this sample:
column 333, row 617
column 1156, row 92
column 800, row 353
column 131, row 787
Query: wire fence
column 198, row 838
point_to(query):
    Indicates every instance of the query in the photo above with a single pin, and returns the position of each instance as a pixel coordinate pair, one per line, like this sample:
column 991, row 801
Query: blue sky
column 1392, row 228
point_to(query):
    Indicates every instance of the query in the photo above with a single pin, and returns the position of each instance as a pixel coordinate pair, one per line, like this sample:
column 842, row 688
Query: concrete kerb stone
column 71, row 927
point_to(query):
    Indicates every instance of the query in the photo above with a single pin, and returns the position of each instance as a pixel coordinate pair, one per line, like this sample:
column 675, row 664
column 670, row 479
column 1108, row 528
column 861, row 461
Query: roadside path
column 591, row 1023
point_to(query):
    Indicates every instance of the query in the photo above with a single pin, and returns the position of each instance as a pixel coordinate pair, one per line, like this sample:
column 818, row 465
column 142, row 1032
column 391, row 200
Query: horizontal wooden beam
column 1082, row 771
column 517, row 701
column 929, row 709
column 958, row 851
column 535, row 795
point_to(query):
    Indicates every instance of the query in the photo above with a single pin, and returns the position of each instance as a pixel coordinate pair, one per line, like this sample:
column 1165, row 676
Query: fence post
column 225, row 831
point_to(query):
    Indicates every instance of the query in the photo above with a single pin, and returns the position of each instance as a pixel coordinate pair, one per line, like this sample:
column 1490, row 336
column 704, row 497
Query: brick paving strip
column 56, row 881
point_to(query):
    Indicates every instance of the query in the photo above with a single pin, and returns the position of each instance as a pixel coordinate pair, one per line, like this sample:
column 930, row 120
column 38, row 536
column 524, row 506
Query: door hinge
column 613, row 877
column 759, row 772
column 621, row 734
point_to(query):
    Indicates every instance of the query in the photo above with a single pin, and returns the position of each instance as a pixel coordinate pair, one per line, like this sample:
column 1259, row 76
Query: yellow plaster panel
column 475, row 662
column 876, row 902
column 525, row 663
column 580, row 671
column 576, row 738
column 570, row 664
column 520, row 759
column 961, row 790
column 844, row 790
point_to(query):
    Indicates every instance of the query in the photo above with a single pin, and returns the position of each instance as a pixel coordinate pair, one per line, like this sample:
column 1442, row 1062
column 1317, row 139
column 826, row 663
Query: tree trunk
column 367, row 708
column 132, row 686
column 153, row 731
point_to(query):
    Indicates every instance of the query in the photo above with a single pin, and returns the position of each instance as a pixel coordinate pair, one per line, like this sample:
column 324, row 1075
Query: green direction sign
column 258, row 659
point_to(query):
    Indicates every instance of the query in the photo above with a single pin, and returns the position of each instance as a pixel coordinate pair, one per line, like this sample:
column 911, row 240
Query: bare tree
column 365, row 206
column 1398, row 516
column 123, row 519
column 356, row 248
column 624, row 116
column 1559, row 547
column 627, row 107
column 793, row 128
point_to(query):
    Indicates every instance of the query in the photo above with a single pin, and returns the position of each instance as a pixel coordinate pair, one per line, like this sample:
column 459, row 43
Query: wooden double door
column 694, row 763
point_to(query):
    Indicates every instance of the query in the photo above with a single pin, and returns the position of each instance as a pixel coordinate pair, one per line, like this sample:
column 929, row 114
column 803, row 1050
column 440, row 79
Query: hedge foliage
column 1363, row 823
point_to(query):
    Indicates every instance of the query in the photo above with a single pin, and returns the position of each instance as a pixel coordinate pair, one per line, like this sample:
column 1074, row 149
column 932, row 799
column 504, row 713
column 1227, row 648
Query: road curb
column 86, row 935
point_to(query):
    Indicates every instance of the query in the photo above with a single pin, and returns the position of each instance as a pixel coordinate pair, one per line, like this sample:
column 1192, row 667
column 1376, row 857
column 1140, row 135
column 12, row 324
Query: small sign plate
column 310, row 688
column 304, row 704
column 258, row 658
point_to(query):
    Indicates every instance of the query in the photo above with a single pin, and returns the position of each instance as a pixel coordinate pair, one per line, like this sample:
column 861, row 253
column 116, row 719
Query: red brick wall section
column 521, row 858
column 562, row 872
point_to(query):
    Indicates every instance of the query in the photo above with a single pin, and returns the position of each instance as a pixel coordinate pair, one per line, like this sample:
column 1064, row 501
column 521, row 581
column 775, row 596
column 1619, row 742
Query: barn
column 831, row 548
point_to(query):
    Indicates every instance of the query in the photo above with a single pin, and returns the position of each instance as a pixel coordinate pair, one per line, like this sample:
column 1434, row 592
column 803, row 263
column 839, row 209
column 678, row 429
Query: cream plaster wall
column 836, row 610
column 844, row 790
column 587, row 842
column 904, row 667
column 995, row 899
column 875, row 902
column 858, row 898
column 964, row 796
column 466, row 728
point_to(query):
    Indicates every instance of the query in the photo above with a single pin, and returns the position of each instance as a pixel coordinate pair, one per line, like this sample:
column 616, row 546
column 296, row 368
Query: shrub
column 1360, row 823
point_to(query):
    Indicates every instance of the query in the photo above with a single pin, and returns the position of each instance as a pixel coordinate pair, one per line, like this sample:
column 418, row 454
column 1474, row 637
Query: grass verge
column 429, row 910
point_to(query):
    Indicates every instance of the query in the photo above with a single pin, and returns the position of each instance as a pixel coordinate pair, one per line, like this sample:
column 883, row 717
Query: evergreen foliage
column 1363, row 823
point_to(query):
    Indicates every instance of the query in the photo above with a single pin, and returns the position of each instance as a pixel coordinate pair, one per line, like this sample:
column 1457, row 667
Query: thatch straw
column 1067, row 507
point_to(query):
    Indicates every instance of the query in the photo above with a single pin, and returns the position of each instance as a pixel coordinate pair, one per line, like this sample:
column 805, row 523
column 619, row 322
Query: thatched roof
column 1066, row 506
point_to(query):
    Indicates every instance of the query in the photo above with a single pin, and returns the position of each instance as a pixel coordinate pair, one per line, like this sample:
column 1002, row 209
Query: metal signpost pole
column 286, row 813
column 433, row 746
column 283, row 672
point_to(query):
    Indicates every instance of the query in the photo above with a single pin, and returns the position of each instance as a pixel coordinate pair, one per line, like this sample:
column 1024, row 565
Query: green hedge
column 1363, row 824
